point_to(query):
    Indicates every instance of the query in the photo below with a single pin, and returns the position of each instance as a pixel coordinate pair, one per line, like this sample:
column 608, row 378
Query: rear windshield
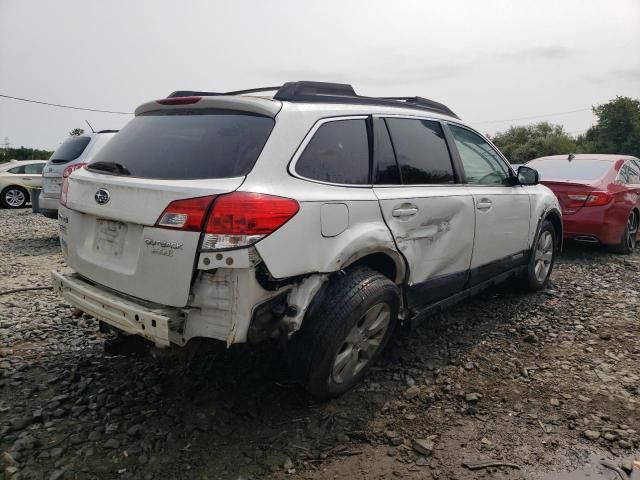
column 563, row 169
column 188, row 144
column 70, row 149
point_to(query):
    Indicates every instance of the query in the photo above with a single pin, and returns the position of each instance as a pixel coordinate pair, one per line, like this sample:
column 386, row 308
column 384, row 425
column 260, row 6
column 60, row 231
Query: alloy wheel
column 543, row 256
column 632, row 231
column 15, row 197
column 362, row 342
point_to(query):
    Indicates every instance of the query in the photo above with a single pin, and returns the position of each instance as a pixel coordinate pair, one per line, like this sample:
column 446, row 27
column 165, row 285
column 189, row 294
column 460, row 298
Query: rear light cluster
column 233, row 220
column 64, row 190
column 593, row 199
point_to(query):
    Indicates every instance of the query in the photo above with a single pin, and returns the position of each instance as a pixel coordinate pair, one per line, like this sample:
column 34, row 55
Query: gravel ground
column 546, row 382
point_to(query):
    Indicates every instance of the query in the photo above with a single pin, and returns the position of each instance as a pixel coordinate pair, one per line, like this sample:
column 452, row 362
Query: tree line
column 617, row 130
column 23, row 153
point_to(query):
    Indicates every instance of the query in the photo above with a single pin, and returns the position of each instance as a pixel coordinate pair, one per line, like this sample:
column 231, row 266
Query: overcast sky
column 488, row 60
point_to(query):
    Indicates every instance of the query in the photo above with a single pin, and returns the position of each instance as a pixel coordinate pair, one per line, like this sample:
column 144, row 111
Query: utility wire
column 533, row 116
column 63, row 106
column 130, row 113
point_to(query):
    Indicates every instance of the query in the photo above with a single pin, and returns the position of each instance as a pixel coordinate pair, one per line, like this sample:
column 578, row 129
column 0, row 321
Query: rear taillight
column 64, row 190
column 241, row 219
column 593, row 199
column 597, row 199
column 235, row 220
column 187, row 214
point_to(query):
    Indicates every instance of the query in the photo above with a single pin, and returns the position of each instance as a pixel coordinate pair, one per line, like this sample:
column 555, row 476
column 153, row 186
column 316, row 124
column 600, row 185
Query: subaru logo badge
column 102, row 196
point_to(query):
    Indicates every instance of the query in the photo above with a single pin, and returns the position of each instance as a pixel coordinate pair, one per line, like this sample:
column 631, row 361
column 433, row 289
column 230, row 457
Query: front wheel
column 628, row 241
column 342, row 336
column 14, row 197
column 542, row 258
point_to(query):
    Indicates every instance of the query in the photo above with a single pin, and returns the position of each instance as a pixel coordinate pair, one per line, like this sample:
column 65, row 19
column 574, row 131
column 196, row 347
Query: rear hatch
column 166, row 153
column 68, row 151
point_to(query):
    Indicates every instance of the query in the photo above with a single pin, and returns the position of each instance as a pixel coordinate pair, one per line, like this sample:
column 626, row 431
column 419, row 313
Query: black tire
column 532, row 280
column 628, row 241
column 10, row 195
column 337, row 313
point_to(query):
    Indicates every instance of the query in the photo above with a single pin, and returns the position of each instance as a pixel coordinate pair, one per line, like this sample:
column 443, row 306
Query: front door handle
column 405, row 211
column 484, row 204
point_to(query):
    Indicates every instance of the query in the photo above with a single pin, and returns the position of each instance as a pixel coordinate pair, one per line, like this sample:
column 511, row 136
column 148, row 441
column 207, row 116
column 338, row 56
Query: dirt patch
column 548, row 382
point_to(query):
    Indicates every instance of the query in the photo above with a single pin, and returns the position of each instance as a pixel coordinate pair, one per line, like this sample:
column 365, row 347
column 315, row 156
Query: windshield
column 186, row 144
column 563, row 169
column 70, row 149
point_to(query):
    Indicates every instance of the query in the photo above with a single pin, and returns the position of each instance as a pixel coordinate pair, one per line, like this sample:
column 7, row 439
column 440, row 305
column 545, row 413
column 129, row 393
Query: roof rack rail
column 423, row 102
column 306, row 91
column 107, row 131
column 192, row 93
column 325, row 92
column 196, row 93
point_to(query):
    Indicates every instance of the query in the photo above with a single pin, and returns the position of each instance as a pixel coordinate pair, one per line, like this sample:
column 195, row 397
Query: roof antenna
column 87, row 121
column 570, row 157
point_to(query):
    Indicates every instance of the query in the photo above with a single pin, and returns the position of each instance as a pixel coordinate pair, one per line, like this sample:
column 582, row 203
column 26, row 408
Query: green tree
column 76, row 131
column 617, row 129
column 23, row 153
column 521, row 144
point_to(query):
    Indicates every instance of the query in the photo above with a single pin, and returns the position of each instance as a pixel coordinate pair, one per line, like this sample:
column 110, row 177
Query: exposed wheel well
column 556, row 221
column 379, row 262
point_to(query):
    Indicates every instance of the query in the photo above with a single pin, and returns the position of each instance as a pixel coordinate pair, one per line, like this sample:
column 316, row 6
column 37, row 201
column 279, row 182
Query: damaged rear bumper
column 159, row 325
column 226, row 304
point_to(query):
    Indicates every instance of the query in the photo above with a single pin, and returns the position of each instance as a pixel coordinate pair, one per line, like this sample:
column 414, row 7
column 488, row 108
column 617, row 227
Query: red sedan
column 599, row 195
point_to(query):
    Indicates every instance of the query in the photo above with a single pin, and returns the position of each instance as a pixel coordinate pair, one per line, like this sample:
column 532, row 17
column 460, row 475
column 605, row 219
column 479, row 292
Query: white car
column 75, row 150
column 313, row 215
column 16, row 179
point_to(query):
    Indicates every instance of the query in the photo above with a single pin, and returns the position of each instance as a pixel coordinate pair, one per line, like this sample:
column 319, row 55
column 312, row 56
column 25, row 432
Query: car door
column 502, row 207
column 429, row 212
column 32, row 176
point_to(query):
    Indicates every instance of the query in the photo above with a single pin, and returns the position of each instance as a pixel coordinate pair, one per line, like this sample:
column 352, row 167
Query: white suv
column 313, row 215
column 75, row 150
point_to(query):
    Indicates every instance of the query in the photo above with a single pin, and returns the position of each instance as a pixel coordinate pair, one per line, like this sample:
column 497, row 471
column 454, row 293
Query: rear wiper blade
column 109, row 167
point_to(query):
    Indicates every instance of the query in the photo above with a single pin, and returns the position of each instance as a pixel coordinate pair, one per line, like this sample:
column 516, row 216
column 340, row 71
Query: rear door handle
column 403, row 212
column 484, row 204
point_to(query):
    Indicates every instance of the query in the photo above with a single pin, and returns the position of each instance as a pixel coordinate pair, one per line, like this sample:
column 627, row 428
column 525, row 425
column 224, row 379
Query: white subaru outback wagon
column 313, row 214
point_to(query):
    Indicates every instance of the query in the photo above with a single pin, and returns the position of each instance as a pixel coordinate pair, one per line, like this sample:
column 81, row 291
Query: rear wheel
column 14, row 197
column 542, row 258
column 628, row 241
column 340, row 338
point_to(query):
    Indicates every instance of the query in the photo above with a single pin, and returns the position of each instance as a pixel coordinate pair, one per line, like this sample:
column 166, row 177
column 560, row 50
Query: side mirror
column 528, row 176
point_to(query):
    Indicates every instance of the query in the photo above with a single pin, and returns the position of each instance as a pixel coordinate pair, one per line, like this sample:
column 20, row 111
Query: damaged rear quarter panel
column 299, row 248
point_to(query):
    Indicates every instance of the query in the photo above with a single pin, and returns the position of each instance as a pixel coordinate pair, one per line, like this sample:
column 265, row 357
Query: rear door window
column 33, row 169
column 70, row 149
column 187, row 144
column 421, row 151
column 337, row 153
column 387, row 172
column 17, row 170
column 629, row 173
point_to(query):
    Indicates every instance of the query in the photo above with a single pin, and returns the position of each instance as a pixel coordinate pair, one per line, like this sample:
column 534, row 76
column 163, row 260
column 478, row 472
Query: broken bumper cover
column 122, row 313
